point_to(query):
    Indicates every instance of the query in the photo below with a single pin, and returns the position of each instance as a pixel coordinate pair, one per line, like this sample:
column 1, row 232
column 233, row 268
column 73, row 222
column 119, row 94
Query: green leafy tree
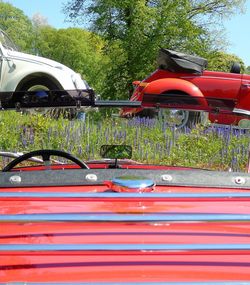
column 247, row 70
column 76, row 48
column 17, row 25
column 134, row 31
column 221, row 61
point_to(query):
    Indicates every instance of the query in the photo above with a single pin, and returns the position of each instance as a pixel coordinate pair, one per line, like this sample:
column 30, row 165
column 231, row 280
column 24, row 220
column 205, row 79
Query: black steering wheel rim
column 45, row 154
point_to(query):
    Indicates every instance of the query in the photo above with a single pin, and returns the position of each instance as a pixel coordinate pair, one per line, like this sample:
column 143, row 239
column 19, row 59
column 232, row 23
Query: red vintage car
column 181, row 81
column 118, row 221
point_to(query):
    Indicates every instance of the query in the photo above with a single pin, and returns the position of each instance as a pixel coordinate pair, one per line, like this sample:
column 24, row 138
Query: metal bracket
column 78, row 105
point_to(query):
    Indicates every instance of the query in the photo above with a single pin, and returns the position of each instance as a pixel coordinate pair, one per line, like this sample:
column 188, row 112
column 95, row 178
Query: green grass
column 152, row 140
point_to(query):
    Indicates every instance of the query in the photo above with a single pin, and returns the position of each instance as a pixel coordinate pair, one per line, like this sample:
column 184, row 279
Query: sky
column 237, row 28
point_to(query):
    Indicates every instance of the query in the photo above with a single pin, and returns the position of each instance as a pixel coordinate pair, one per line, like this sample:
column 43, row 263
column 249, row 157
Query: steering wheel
column 45, row 154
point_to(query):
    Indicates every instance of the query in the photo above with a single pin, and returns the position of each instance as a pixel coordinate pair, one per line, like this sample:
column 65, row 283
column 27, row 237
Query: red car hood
column 74, row 234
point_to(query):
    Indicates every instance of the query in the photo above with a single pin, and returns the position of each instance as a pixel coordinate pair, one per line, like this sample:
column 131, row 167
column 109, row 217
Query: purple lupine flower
column 115, row 134
column 24, row 140
column 125, row 135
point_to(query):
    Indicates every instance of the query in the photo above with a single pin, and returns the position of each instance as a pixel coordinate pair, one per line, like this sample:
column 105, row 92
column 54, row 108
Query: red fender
column 169, row 84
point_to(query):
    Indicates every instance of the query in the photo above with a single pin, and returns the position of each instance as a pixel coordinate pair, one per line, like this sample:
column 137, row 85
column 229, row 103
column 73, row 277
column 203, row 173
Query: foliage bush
column 152, row 140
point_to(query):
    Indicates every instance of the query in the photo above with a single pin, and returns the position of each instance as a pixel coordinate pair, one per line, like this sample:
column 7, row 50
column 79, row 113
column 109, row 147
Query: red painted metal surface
column 119, row 265
column 232, row 90
column 226, row 119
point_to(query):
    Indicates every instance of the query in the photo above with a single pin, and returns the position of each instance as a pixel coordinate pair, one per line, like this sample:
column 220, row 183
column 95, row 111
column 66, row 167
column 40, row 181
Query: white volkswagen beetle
column 24, row 72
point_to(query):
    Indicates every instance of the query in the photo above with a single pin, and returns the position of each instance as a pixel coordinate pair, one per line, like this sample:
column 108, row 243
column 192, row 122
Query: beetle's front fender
column 23, row 70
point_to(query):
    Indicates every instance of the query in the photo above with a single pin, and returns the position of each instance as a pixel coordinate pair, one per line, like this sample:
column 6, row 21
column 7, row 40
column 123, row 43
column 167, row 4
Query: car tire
column 39, row 84
column 188, row 118
column 44, row 84
column 147, row 113
column 194, row 118
column 179, row 118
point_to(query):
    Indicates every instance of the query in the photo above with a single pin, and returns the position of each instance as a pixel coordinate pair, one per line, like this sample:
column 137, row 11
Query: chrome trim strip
column 121, row 195
column 130, row 283
column 122, row 247
column 123, row 217
column 241, row 111
column 214, row 77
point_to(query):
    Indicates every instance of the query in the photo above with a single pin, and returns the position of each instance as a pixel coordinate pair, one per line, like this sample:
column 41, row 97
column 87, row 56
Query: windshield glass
column 7, row 42
column 153, row 141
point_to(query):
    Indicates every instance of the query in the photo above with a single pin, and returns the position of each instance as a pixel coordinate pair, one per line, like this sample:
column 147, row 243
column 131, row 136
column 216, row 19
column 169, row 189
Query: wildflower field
column 151, row 139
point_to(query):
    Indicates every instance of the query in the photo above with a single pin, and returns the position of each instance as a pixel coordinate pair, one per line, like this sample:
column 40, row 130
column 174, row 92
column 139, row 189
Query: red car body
column 122, row 223
column 224, row 95
column 82, row 234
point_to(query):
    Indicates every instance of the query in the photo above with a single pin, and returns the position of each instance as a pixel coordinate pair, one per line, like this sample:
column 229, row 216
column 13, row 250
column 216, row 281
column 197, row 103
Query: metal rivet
column 91, row 177
column 15, row 179
column 166, row 177
column 239, row 180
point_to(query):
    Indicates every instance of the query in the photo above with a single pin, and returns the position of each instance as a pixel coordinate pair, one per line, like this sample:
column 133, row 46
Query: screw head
column 239, row 180
column 15, row 179
column 166, row 177
column 91, row 177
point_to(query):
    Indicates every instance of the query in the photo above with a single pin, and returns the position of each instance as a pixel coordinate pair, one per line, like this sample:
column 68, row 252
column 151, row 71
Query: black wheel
column 194, row 119
column 45, row 154
column 44, row 84
column 147, row 113
column 179, row 118
column 39, row 84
